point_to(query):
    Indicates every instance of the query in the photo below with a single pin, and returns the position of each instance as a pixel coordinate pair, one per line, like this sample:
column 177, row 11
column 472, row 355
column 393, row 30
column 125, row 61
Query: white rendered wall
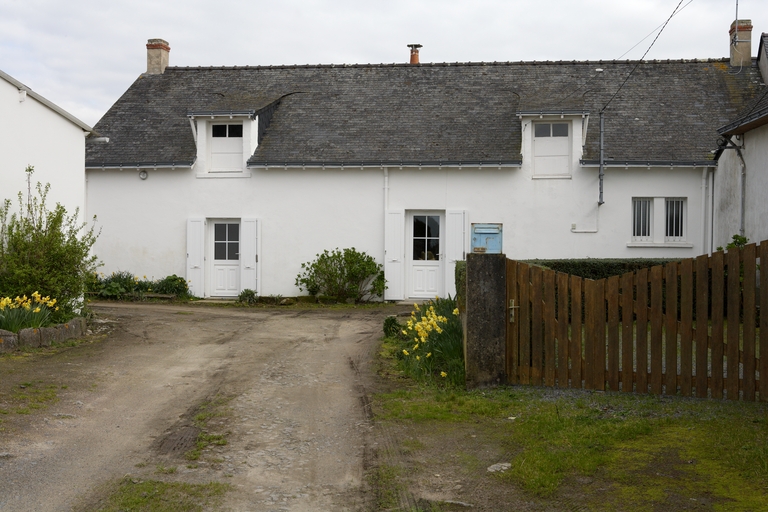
column 33, row 134
column 303, row 212
column 728, row 189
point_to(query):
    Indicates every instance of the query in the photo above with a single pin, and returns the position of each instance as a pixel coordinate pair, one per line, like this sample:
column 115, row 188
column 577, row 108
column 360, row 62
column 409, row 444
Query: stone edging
column 43, row 336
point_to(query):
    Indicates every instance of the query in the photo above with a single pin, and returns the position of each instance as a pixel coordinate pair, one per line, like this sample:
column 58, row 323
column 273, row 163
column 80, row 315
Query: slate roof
column 668, row 112
column 755, row 114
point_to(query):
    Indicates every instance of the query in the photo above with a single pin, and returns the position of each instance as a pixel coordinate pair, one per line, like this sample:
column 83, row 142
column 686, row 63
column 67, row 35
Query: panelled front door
column 225, row 271
column 425, row 254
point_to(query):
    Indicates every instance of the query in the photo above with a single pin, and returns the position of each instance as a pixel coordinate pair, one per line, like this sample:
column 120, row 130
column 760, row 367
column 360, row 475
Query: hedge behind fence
column 593, row 268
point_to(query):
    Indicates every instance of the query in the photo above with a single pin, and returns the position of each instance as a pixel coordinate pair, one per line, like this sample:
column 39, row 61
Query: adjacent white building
column 36, row 132
column 234, row 176
column 741, row 185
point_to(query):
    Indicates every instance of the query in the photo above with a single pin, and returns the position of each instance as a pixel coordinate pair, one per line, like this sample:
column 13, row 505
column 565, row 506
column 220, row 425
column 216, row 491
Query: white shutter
column 249, row 254
column 394, row 254
column 455, row 245
column 196, row 256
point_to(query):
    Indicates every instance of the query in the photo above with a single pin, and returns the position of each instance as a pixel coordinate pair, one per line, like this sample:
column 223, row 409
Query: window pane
column 560, row 130
column 220, row 232
column 541, row 129
column 235, row 130
column 433, row 249
column 233, row 232
column 675, row 223
column 641, row 218
column 420, row 225
column 219, row 130
column 233, row 251
column 433, row 226
column 220, row 251
column 419, row 246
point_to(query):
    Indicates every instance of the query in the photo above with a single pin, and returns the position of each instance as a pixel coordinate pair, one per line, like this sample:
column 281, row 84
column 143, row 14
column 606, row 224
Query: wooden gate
column 689, row 328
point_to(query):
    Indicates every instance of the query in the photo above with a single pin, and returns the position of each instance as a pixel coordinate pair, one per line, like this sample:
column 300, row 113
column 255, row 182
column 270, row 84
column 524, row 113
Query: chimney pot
column 741, row 43
column 157, row 56
column 414, row 53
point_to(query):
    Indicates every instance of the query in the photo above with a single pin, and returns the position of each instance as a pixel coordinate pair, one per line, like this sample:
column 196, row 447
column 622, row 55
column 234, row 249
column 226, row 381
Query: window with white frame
column 646, row 228
column 226, row 147
column 642, row 208
column 675, row 220
column 551, row 148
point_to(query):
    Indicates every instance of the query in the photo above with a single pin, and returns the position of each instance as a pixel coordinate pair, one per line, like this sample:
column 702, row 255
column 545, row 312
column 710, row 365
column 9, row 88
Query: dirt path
column 283, row 384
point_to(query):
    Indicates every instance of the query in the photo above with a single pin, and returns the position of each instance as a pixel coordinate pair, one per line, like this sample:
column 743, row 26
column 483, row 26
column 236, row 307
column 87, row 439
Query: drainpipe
column 742, row 220
column 602, row 158
column 704, row 197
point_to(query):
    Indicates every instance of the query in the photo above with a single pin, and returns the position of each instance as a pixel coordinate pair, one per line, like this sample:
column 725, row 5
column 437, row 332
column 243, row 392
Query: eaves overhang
column 745, row 124
column 222, row 113
column 90, row 132
column 551, row 113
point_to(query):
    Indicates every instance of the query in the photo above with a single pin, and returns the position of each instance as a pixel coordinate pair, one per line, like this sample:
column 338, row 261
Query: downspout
column 704, row 197
column 602, row 159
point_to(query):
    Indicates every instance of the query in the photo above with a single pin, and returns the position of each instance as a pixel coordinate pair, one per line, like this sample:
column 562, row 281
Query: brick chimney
column 157, row 56
column 741, row 43
column 414, row 53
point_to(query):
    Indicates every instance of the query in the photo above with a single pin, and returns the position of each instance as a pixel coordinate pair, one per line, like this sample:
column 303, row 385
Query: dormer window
column 226, row 147
column 551, row 149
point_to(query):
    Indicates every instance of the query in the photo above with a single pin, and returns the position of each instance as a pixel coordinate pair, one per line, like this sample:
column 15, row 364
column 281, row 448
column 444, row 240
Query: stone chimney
column 414, row 53
column 741, row 43
column 157, row 56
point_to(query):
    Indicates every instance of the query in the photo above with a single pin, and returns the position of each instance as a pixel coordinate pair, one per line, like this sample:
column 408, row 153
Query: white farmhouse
column 36, row 132
column 234, row 176
column 741, row 184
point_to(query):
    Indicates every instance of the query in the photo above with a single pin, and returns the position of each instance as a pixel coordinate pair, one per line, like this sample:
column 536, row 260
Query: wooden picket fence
column 690, row 328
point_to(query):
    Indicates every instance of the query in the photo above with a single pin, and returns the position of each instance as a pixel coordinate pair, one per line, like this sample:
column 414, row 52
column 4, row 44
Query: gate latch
column 512, row 309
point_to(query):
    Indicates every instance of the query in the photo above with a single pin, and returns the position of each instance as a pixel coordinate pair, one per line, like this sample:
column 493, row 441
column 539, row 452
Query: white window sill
column 662, row 245
column 214, row 175
column 551, row 176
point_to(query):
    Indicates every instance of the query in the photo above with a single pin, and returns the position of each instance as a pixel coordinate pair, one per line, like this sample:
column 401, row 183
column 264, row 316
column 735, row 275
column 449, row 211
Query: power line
column 643, row 57
column 654, row 30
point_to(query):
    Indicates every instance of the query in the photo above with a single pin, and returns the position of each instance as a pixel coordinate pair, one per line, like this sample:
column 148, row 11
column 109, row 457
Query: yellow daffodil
column 443, row 374
column 405, row 352
column 429, row 354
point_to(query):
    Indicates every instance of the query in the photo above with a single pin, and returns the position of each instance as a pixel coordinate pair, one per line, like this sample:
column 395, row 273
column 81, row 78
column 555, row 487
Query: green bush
column 593, row 268
column 44, row 250
column 248, row 297
column 346, row 274
column 122, row 284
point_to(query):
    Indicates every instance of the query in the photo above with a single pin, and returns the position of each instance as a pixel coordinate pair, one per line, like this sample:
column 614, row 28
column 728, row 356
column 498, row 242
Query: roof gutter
column 455, row 163
column 140, row 165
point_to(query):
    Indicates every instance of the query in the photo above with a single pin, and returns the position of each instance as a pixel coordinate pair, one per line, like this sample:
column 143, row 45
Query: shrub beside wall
column 594, row 268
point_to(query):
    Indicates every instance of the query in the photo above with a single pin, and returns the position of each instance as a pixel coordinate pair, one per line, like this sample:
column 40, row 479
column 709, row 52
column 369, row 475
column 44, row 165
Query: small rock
column 500, row 467
column 287, row 302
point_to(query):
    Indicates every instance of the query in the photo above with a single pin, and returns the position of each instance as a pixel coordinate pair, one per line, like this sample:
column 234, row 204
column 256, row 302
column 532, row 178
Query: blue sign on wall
column 486, row 238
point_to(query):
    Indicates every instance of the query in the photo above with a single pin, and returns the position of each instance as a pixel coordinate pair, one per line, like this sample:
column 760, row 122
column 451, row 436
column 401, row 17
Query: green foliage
column 248, row 297
column 122, row 285
column 45, row 250
column 346, row 274
column 392, row 327
column 737, row 242
column 430, row 345
column 591, row 268
column 460, row 276
column 157, row 496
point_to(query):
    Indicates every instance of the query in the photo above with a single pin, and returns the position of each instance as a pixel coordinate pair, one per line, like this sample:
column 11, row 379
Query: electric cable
column 643, row 57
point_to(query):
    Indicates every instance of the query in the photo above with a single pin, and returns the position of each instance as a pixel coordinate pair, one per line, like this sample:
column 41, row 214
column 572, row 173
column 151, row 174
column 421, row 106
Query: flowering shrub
column 431, row 343
column 23, row 312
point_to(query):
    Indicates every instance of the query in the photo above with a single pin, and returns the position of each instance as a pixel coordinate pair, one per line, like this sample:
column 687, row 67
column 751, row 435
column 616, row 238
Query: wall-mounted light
column 143, row 175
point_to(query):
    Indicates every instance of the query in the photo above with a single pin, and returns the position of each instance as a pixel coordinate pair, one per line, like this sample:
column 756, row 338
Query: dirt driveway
column 283, row 387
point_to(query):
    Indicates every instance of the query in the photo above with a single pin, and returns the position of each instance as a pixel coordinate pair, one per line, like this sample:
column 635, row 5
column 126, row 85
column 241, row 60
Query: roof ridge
column 443, row 64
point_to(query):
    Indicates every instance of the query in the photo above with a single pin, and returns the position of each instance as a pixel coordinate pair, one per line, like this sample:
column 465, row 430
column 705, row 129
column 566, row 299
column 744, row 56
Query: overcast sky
column 83, row 55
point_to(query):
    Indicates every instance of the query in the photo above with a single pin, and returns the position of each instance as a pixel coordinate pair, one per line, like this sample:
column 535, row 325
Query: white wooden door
column 196, row 256
column 425, row 254
column 394, row 254
column 225, row 261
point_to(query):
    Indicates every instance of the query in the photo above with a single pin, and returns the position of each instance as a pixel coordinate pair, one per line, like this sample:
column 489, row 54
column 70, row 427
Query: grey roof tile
column 668, row 111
